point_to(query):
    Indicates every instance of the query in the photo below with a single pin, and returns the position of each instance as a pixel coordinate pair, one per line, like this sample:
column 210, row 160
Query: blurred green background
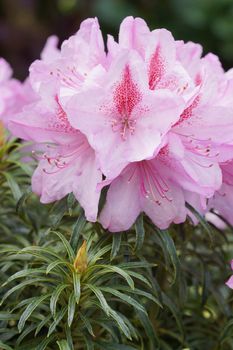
column 25, row 24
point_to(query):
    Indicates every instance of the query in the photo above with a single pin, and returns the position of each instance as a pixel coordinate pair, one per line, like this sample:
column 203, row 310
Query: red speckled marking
column 156, row 68
column 187, row 113
column 126, row 95
column 60, row 121
column 164, row 151
column 198, row 79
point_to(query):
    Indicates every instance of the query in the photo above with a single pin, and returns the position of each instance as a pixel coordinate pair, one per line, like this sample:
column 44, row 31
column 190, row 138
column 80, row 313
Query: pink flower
column 69, row 69
column 68, row 160
column 10, row 91
column 151, row 115
column 199, row 139
column 133, row 105
column 203, row 135
column 229, row 283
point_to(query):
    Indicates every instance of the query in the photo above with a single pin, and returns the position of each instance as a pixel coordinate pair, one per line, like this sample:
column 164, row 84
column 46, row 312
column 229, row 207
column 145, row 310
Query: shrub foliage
column 67, row 284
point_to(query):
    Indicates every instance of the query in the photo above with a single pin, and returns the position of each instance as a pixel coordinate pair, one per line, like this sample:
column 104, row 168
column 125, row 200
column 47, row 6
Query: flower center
column 126, row 97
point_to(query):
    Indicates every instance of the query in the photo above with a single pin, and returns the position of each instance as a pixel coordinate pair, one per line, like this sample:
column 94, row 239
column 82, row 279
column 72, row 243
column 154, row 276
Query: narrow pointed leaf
column 79, row 225
column 77, row 286
column 55, row 296
column 71, row 308
column 29, row 310
column 140, row 233
column 63, row 345
column 116, row 243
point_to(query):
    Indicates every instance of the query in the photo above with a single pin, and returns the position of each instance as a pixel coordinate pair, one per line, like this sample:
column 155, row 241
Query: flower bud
column 80, row 262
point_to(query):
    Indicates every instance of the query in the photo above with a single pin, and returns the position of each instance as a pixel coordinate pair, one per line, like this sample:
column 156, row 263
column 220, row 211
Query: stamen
column 152, row 185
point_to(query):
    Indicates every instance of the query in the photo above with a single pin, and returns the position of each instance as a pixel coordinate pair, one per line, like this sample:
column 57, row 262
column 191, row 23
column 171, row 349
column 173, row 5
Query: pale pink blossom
column 150, row 118
column 68, row 160
column 73, row 66
column 229, row 283
column 135, row 101
column 10, row 92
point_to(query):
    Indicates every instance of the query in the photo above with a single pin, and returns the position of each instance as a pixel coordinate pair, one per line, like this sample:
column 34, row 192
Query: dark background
column 25, row 24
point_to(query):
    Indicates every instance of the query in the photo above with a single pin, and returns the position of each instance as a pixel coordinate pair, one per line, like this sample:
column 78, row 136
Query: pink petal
column 122, row 204
column 41, row 124
column 57, row 176
column 133, row 34
column 229, row 283
column 160, row 55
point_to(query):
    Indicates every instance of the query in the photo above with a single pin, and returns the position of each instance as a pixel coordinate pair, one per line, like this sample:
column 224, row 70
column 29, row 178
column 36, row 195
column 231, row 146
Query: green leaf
column 26, row 331
column 45, row 342
column 202, row 221
column 126, row 298
column 7, row 316
column 122, row 325
column 169, row 248
column 63, row 345
column 22, row 200
column 55, row 296
column 89, row 342
column 139, row 292
column 25, row 273
column 71, row 308
column 99, row 295
column 227, row 331
column 118, row 270
column 150, row 332
column 87, row 323
column 97, row 254
column 57, row 320
column 23, row 284
column 139, row 277
column 67, row 245
column 29, row 310
column 5, row 347
column 114, row 346
column 136, row 265
column 54, row 264
column 116, row 243
column 79, row 225
column 175, row 312
column 69, row 337
column 15, row 189
column 57, row 212
column 77, row 286
column 140, row 233
column 42, row 324
column 71, row 200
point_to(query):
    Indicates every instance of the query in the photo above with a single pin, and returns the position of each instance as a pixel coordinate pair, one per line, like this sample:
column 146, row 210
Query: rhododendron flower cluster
column 149, row 118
